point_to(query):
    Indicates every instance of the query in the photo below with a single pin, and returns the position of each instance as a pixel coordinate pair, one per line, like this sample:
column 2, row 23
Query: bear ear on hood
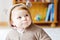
column 28, row 4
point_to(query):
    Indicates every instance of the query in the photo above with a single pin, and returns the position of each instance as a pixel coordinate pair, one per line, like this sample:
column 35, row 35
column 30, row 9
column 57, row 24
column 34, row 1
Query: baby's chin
column 25, row 26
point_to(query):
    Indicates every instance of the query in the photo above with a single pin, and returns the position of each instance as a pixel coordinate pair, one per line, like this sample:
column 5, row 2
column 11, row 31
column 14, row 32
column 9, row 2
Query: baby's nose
column 24, row 18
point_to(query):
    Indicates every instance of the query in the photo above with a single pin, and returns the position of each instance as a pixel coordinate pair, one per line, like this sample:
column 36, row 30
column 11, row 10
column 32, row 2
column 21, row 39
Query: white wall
column 4, row 6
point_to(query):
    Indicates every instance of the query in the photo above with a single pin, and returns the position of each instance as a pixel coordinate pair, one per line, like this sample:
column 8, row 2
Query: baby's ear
column 12, row 24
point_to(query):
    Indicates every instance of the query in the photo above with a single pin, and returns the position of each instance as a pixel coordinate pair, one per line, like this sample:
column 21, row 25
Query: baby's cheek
column 18, row 22
column 28, row 18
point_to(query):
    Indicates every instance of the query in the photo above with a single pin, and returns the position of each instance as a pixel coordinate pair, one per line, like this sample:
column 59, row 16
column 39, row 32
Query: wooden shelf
column 43, row 22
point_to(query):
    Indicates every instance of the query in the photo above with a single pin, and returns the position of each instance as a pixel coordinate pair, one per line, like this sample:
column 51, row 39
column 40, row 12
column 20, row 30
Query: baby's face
column 21, row 18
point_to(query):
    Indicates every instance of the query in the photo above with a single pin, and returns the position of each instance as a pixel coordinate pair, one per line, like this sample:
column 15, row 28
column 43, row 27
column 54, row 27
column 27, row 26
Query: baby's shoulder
column 36, row 28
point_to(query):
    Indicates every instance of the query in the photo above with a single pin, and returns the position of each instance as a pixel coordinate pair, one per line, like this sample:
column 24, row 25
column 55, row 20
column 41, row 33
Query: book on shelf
column 50, row 13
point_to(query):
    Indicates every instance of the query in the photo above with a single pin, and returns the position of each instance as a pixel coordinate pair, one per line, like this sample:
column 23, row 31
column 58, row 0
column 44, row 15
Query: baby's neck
column 20, row 30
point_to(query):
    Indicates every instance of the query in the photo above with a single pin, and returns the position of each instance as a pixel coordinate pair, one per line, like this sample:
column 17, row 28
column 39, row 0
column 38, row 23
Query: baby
column 22, row 25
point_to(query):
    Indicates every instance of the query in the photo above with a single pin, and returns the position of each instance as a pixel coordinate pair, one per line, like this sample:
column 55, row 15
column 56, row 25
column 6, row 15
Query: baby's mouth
column 24, row 22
